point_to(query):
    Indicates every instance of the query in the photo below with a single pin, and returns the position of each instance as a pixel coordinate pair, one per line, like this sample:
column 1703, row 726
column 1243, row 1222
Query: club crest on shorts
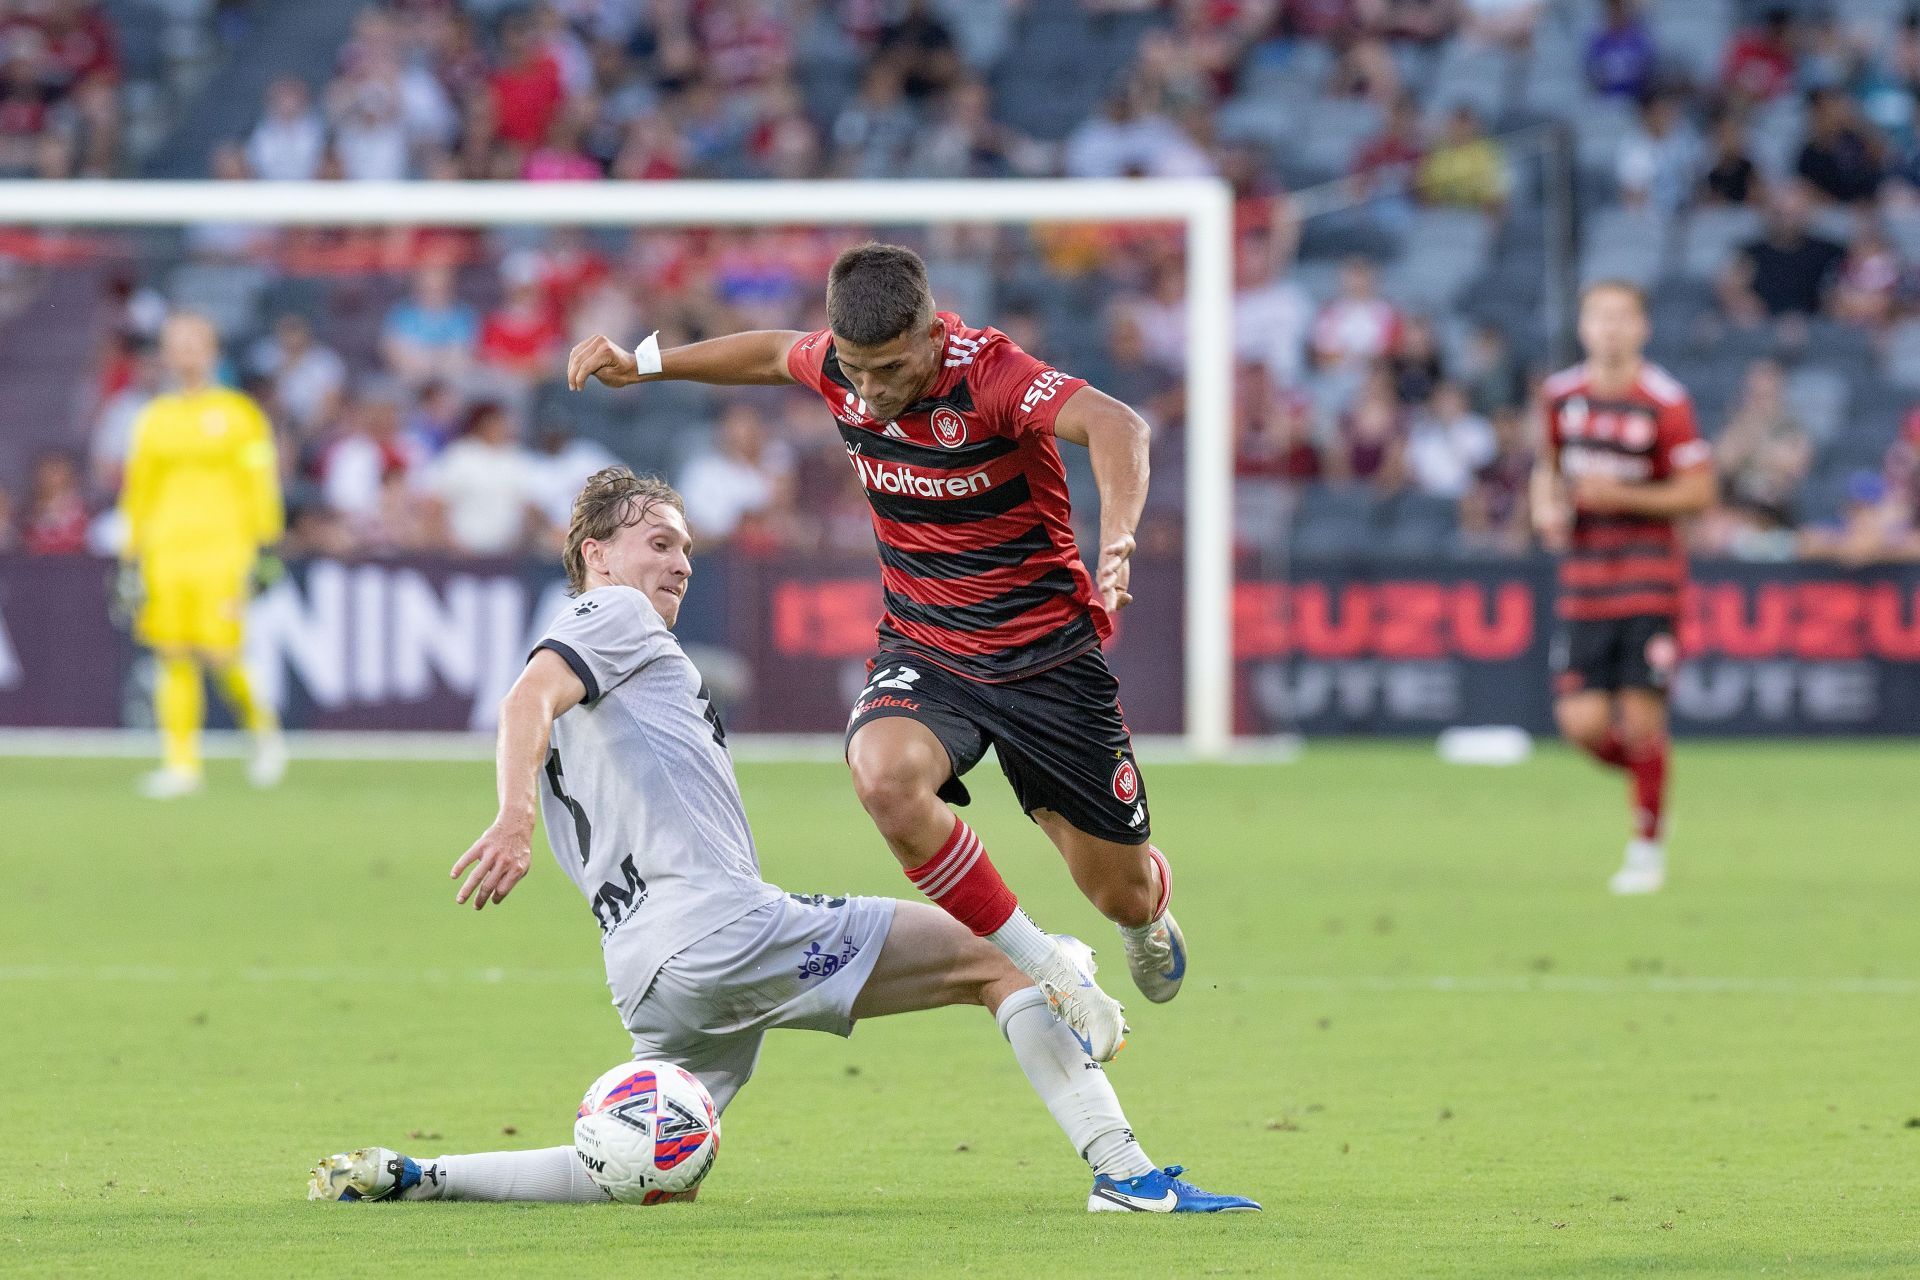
column 1126, row 782
column 949, row 428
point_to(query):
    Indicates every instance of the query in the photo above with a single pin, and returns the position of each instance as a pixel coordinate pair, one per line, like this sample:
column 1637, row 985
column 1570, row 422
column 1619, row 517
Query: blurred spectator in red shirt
column 522, row 336
column 526, row 89
column 54, row 519
column 1760, row 62
column 1358, row 325
column 569, row 267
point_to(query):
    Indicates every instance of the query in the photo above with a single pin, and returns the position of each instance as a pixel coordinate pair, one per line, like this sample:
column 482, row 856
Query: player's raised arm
column 757, row 357
column 1116, row 437
column 545, row 691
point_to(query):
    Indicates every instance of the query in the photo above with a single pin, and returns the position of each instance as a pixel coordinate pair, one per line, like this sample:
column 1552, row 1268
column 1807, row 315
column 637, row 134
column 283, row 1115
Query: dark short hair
column 613, row 499
column 876, row 292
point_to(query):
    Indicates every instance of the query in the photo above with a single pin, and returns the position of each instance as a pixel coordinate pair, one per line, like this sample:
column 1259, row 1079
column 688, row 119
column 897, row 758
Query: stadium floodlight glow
column 1203, row 206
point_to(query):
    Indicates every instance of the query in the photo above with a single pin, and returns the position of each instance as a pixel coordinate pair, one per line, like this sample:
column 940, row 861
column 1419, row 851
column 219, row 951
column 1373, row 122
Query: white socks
column 1029, row 947
column 1072, row 1085
column 552, row 1174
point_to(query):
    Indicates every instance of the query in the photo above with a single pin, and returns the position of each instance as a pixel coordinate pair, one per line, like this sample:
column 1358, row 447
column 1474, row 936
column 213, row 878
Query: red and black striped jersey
column 1621, row 565
column 970, row 508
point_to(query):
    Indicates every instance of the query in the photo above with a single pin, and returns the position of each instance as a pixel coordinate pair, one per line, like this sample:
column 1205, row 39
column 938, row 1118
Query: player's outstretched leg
column 928, row 963
column 548, row 1174
column 898, row 767
column 1131, row 885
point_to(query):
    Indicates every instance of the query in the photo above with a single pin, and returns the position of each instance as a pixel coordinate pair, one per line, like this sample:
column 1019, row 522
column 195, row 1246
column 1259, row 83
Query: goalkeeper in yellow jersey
column 202, row 503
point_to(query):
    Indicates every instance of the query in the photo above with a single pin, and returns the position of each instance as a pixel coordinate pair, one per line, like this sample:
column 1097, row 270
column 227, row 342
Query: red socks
column 1610, row 751
column 961, row 880
column 1648, row 767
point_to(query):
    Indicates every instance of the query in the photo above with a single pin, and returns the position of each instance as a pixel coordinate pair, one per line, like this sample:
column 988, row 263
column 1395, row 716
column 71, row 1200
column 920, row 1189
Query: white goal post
column 1203, row 206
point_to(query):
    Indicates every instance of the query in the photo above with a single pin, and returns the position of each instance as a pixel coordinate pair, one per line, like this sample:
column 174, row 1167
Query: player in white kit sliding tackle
column 611, row 728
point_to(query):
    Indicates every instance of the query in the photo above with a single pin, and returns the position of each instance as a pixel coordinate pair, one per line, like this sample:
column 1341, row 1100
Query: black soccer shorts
column 1609, row 654
column 1059, row 735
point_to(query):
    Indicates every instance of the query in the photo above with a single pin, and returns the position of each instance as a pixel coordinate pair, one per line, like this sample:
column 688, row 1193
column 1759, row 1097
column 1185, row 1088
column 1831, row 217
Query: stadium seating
column 1301, row 111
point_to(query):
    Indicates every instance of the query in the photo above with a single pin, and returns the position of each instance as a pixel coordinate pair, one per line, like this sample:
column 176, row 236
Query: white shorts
column 797, row 962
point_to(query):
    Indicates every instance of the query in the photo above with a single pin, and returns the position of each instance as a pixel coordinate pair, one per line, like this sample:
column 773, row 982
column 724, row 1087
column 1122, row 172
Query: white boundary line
column 329, row 744
column 1543, row 984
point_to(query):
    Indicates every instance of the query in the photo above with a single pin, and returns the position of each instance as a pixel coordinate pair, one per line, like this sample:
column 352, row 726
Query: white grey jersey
column 639, row 797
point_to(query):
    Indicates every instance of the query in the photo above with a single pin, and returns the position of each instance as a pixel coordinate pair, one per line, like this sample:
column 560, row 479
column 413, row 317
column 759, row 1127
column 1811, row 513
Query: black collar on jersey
column 960, row 398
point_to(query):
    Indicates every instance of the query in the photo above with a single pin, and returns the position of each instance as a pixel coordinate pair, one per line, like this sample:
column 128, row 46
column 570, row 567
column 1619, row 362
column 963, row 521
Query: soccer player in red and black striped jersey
column 993, row 625
column 1621, row 464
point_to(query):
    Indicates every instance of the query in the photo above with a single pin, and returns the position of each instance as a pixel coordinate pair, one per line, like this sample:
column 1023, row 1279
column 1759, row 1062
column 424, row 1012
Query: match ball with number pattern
column 646, row 1131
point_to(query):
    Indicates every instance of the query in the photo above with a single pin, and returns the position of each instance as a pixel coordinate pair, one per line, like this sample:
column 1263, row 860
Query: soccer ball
column 645, row 1131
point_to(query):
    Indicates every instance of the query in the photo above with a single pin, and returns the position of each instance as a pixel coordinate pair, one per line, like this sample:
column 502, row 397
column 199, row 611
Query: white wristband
column 646, row 356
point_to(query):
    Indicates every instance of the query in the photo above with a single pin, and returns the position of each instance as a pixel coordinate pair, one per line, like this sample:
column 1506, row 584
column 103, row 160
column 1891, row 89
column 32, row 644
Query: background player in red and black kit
column 993, row 626
column 1622, row 463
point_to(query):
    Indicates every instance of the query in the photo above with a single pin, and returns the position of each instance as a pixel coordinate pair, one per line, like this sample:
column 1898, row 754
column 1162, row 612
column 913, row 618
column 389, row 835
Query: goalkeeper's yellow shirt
column 203, row 484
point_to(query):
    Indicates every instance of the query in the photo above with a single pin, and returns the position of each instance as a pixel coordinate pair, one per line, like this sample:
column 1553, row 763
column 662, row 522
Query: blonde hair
column 613, row 499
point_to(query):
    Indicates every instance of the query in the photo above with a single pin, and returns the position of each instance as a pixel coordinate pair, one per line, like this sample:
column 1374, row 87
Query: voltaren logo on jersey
column 1126, row 782
column 904, row 480
column 949, row 428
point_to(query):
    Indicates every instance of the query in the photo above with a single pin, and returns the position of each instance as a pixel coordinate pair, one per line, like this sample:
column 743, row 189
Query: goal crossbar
column 1203, row 206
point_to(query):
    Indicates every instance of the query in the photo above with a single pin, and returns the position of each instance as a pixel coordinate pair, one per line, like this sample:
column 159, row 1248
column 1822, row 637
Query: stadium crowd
column 1756, row 167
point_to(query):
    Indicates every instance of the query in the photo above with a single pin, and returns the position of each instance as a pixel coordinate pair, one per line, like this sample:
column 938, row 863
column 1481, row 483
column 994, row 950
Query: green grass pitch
column 1415, row 1026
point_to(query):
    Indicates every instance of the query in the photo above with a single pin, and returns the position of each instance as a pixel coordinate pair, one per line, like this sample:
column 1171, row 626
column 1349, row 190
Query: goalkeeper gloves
column 268, row 569
column 126, row 593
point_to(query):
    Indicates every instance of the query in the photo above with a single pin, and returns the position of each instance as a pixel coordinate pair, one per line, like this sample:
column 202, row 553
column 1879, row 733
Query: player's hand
column 268, row 569
column 1552, row 523
column 601, row 357
column 499, row 858
column 1114, row 571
